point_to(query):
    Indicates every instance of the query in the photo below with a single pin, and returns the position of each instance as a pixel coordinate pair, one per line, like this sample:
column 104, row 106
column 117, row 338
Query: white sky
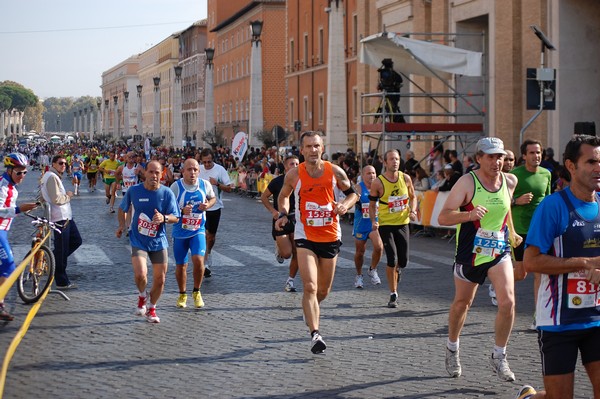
column 69, row 43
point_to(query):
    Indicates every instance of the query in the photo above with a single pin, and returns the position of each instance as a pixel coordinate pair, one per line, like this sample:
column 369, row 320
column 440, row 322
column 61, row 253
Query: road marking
column 86, row 254
column 368, row 252
column 261, row 253
column 90, row 254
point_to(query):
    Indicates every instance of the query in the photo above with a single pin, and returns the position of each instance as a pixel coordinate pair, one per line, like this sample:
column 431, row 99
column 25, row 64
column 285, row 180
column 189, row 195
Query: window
column 305, row 111
column 291, row 112
column 320, row 58
column 354, row 45
column 230, row 111
column 321, row 108
column 354, row 104
column 305, row 58
column 247, row 110
column 237, row 110
column 292, row 57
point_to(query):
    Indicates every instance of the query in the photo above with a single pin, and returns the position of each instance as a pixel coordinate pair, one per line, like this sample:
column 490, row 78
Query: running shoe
column 453, row 363
column 182, row 301
column 492, row 294
column 198, row 302
column 317, row 345
column 70, row 286
column 525, row 392
column 107, row 200
column 279, row 258
column 289, row 286
column 533, row 326
column 151, row 316
column 393, row 303
column 5, row 315
column 500, row 367
column 207, row 272
column 207, row 265
column 358, row 281
column 141, row 307
column 375, row 280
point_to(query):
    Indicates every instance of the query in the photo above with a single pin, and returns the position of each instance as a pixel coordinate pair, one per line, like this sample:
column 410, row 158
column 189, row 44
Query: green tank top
column 484, row 240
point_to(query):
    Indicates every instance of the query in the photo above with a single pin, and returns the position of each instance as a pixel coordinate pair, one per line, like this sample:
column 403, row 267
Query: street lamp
column 156, row 120
column 58, row 122
column 210, row 55
column 256, row 30
column 139, row 107
column 177, row 116
column 256, row 120
column 98, row 129
column 126, row 112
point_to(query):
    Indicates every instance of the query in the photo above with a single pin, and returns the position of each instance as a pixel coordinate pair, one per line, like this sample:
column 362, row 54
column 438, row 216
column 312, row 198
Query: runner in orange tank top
column 317, row 233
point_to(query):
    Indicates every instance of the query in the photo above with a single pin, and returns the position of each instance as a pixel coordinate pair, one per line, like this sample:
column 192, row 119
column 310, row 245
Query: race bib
column 397, row 204
column 146, row 227
column 489, row 243
column 93, row 168
column 319, row 215
column 581, row 293
column 191, row 222
column 365, row 211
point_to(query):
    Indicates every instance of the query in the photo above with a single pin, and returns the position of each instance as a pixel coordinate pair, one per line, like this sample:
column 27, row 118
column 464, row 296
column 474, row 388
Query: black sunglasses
column 23, row 172
column 62, row 163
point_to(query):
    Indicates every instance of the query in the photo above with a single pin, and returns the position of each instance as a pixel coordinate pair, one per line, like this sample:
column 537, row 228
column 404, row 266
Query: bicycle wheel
column 36, row 277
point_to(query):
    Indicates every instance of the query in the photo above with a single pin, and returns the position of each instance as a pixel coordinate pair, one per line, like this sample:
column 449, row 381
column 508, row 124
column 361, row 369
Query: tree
column 5, row 102
column 214, row 137
column 21, row 97
column 266, row 137
column 33, row 117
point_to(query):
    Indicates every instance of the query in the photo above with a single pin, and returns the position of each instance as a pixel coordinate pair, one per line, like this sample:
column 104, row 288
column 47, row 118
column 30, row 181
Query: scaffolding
column 460, row 120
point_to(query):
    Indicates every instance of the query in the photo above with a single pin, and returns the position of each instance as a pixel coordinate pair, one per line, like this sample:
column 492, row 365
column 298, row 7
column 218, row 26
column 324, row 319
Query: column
column 336, row 139
column 74, row 122
column 209, row 102
column 116, row 116
column 177, row 130
column 85, row 123
column 2, row 125
column 256, row 97
column 92, row 125
column 80, row 121
column 106, row 120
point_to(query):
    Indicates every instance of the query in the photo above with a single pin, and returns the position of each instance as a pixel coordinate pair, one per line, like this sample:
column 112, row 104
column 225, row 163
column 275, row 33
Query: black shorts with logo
column 559, row 349
column 326, row 250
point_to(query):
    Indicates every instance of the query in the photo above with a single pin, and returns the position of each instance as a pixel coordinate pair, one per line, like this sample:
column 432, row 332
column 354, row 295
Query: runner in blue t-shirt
column 563, row 245
column 154, row 206
column 194, row 197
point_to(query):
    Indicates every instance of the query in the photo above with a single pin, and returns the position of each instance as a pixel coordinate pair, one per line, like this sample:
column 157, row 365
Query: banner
column 239, row 145
column 147, row 147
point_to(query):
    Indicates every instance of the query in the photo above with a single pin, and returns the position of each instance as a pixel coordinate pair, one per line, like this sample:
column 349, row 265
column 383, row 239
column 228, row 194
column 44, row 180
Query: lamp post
column 256, row 98
column 139, row 108
column 85, row 123
column 177, row 131
column 116, row 116
column 209, row 105
column 126, row 112
column 58, row 122
column 156, row 120
column 105, row 120
column 98, row 120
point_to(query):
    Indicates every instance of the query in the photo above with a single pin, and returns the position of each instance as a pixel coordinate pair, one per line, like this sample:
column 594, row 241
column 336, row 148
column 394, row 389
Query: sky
column 59, row 48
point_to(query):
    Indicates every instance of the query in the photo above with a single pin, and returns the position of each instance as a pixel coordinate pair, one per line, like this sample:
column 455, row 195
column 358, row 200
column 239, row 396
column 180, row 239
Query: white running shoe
column 500, row 367
column 492, row 294
column 453, row 363
column 289, row 286
column 358, row 281
column 375, row 280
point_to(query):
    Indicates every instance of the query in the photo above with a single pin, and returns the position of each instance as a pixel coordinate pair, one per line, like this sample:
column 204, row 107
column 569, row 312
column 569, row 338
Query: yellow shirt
column 110, row 168
column 394, row 204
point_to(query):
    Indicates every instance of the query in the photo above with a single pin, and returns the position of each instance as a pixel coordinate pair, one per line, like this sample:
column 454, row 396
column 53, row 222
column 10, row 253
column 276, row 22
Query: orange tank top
column 315, row 220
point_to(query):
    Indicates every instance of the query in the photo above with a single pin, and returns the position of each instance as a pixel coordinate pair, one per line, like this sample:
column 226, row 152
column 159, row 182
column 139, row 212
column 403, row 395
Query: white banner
column 239, row 145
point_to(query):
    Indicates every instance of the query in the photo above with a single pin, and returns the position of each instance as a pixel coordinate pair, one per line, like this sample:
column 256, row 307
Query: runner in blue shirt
column 563, row 245
column 194, row 197
column 154, row 206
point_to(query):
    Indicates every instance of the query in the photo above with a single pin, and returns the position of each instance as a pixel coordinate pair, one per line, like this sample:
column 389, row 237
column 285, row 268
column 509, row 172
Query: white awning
column 410, row 56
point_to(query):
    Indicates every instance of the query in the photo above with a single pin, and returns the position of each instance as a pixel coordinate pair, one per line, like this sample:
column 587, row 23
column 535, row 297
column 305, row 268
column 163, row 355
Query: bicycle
column 39, row 273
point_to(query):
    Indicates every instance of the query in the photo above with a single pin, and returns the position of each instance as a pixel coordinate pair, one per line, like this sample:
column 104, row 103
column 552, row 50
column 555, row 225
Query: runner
column 562, row 246
column 397, row 207
column 176, row 167
column 219, row 178
column 285, row 246
column 77, row 167
column 108, row 168
column 154, row 207
column 363, row 230
column 91, row 164
column 16, row 169
column 482, row 250
column 194, row 197
column 129, row 173
column 317, row 231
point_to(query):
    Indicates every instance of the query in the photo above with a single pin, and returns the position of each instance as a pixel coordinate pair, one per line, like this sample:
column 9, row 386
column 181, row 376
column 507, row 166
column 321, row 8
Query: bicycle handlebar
column 38, row 221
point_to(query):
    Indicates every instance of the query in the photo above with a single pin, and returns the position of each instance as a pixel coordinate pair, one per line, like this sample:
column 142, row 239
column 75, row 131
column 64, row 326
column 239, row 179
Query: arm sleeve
column 175, row 188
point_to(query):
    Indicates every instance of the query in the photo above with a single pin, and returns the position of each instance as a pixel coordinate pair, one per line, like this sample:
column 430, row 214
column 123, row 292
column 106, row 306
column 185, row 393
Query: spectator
column 411, row 163
column 450, row 178
column 456, row 164
column 468, row 163
column 421, row 179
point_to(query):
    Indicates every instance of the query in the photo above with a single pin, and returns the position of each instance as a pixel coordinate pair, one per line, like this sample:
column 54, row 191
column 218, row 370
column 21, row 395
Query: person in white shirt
column 219, row 178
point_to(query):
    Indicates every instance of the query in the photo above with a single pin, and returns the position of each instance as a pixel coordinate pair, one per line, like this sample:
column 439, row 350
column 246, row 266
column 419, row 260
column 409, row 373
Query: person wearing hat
column 534, row 185
column 479, row 205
